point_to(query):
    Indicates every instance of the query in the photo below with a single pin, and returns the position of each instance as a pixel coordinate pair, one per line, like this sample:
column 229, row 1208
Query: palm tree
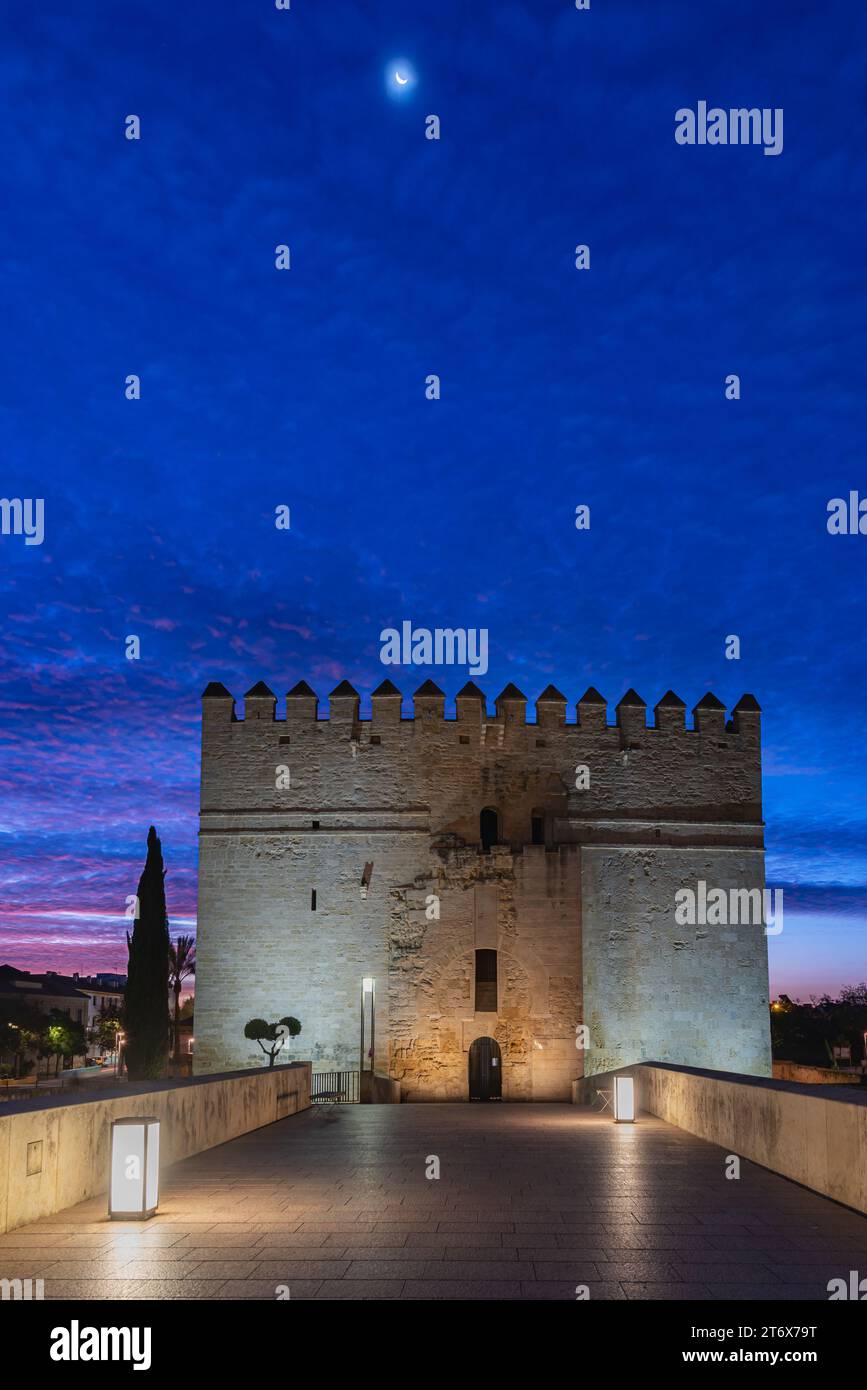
column 182, row 964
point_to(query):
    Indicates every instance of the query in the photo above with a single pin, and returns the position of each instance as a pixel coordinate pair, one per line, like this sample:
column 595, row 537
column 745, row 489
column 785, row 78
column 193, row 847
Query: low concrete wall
column 814, row 1076
column 817, row 1138
column 378, row 1090
column 386, row 1091
column 55, row 1152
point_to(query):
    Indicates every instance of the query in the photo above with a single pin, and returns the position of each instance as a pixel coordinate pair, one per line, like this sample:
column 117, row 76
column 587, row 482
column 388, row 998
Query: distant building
column 186, row 1035
column 44, row 992
column 83, row 997
column 105, row 994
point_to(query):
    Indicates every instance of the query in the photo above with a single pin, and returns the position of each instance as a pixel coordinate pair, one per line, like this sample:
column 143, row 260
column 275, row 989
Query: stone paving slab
column 532, row 1200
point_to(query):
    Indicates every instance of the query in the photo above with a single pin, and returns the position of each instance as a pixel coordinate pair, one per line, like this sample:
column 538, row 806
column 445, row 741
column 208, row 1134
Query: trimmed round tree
column 258, row 1030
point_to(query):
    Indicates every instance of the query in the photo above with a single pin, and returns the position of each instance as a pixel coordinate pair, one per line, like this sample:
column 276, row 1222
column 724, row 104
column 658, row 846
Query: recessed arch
column 486, row 981
column 489, row 828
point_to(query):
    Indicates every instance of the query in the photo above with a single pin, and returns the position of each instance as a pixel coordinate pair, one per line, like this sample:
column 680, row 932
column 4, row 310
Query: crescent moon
column 402, row 80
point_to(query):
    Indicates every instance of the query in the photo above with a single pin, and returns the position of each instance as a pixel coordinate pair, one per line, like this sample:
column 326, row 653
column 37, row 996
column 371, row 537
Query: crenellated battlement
column 471, row 709
column 576, row 775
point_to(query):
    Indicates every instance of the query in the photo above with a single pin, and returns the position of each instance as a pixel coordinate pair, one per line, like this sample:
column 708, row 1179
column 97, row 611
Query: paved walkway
column 532, row 1200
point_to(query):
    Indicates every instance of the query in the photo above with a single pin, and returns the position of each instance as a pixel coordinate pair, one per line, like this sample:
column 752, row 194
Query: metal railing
column 335, row 1086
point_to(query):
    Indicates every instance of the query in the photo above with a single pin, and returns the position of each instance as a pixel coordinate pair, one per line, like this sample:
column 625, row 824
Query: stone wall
column 55, row 1152
column 660, row 990
column 582, row 923
column 817, row 1138
column 526, row 907
column 814, row 1076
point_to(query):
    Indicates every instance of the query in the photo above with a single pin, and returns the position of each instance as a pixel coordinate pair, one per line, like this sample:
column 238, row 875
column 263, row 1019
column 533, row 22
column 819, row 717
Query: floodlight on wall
column 624, row 1100
column 366, row 876
column 134, row 1178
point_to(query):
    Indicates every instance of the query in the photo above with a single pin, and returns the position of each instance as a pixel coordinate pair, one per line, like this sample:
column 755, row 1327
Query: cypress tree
column 146, row 1005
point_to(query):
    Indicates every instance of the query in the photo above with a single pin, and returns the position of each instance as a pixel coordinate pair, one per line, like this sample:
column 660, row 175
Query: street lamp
column 134, row 1178
column 18, row 1054
column 368, row 1001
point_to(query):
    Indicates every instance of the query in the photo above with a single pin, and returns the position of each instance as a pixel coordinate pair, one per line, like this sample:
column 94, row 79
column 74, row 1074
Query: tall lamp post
column 368, row 993
column 18, row 1053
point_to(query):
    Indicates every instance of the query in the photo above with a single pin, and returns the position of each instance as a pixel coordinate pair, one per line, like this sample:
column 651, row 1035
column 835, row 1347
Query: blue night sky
column 307, row 388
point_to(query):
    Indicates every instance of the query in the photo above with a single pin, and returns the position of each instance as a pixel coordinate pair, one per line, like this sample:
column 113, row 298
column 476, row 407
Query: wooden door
column 485, row 1068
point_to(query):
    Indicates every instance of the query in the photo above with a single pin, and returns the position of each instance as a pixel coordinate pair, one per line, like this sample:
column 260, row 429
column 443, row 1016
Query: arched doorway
column 489, row 828
column 485, row 1068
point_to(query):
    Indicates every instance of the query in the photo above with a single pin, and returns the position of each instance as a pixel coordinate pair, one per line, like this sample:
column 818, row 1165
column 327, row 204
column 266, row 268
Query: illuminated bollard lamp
column 624, row 1100
column 134, row 1180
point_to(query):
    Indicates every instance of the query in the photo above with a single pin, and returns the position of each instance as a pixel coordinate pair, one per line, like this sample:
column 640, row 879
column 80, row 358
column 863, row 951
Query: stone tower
column 498, row 879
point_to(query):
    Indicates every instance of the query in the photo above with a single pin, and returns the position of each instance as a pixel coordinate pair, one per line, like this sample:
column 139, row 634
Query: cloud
column 307, row 387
